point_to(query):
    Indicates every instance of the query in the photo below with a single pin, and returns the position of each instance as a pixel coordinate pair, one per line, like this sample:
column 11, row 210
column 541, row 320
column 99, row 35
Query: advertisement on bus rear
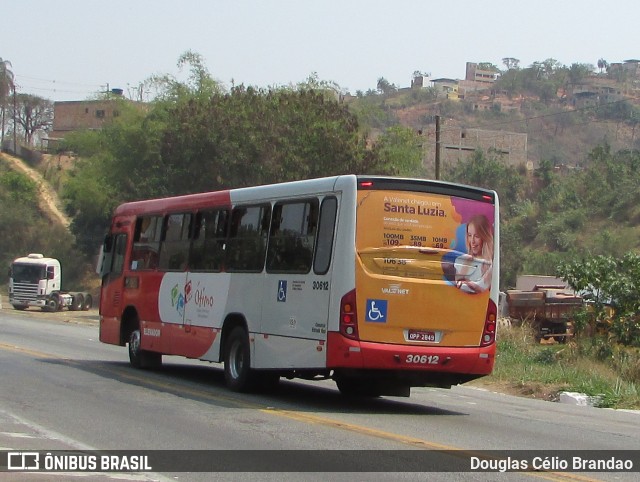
column 419, row 249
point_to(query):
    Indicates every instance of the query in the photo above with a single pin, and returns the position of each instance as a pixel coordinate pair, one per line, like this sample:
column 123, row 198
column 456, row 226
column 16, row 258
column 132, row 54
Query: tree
column 6, row 86
column 510, row 81
column 34, row 115
column 577, row 72
column 313, row 82
column 253, row 136
column 385, row 87
column 550, row 66
column 607, row 280
column 199, row 82
column 511, row 63
column 488, row 66
column 489, row 171
column 400, row 149
column 602, row 64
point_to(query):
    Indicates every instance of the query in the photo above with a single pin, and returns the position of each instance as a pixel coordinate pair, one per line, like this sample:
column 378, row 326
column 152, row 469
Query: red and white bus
column 379, row 283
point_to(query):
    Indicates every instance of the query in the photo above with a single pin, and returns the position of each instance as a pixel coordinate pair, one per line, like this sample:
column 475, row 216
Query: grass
column 593, row 366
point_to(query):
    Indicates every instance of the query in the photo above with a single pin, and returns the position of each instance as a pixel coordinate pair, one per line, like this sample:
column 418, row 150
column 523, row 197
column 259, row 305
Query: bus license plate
column 418, row 335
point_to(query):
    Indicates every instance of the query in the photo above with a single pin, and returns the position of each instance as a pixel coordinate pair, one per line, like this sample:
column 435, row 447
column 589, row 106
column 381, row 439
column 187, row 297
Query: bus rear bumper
column 343, row 353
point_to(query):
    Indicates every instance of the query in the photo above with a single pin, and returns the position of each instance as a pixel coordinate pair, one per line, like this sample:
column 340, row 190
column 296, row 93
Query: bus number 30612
column 422, row 359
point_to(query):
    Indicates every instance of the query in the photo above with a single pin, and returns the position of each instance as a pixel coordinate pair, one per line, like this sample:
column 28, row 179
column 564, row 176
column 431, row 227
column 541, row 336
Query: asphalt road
column 61, row 389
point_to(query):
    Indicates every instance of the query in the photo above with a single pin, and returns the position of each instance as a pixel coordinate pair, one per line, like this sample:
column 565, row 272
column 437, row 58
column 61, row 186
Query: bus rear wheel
column 237, row 361
column 140, row 358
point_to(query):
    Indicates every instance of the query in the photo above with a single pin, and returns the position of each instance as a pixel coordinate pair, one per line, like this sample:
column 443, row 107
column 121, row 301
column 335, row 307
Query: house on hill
column 460, row 143
column 593, row 91
column 630, row 67
column 480, row 76
column 448, row 87
column 75, row 115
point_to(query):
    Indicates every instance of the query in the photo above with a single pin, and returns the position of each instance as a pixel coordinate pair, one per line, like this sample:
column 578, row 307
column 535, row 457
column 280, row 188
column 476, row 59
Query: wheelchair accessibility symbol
column 282, row 290
column 376, row 311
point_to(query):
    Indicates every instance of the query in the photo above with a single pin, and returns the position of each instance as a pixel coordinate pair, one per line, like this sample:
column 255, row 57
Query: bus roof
column 229, row 196
column 226, row 198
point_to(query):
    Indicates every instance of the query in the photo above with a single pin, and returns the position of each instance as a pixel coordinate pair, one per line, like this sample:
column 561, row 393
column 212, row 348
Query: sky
column 73, row 49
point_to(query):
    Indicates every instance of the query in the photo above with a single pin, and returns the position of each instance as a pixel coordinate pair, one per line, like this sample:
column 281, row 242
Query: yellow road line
column 299, row 416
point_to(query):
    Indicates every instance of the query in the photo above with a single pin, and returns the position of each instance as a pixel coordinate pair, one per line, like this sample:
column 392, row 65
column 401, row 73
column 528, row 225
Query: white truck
column 36, row 281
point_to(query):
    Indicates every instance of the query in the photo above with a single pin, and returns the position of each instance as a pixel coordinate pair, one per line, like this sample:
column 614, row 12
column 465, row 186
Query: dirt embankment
column 47, row 197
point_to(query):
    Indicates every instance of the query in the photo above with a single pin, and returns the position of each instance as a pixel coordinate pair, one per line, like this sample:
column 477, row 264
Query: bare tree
column 34, row 115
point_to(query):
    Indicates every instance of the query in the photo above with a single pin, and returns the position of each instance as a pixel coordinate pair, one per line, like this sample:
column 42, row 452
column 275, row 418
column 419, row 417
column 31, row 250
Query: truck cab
column 32, row 280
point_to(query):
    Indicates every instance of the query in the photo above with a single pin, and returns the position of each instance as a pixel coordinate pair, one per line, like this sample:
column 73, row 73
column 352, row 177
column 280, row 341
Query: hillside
column 561, row 128
column 47, row 197
column 32, row 220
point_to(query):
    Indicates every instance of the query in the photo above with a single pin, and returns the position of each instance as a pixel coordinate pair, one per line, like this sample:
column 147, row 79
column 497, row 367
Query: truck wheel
column 52, row 304
column 77, row 302
column 237, row 361
column 140, row 358
column 88, row 302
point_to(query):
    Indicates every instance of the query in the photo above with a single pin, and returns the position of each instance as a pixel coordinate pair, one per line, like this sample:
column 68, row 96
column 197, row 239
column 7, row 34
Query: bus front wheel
column 237, row 361
column 140, row 358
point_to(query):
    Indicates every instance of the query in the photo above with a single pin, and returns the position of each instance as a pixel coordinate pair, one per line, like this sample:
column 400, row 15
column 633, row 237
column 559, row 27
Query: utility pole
column 437, row 147
column 15, row 123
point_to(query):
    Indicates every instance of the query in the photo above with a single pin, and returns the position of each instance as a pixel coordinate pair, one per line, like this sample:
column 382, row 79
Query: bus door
column 175, row 289
column 296, row 293
column 111, row 271
column 418, row 280
column 207, row 287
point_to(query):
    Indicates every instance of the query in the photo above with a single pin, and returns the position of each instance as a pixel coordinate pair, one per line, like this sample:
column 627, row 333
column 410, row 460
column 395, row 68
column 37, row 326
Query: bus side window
column 146, row 242
column 293, row 232
column 174, row 248
column 326, row 227
column 105, row 259
column 207, row 248
column 247, row 242
column 120, row 248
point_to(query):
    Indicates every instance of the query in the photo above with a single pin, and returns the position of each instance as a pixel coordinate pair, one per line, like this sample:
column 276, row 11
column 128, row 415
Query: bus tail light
column 489, row 332
column 349, row 316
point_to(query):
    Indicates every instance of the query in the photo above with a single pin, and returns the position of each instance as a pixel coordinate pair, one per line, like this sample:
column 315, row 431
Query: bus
column 378, row 283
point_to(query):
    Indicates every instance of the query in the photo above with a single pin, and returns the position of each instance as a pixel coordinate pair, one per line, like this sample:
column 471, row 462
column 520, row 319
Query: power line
column 54, row 81
column 54, row 90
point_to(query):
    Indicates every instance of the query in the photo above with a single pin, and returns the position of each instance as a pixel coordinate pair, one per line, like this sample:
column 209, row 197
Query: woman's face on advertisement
column 474, row 240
